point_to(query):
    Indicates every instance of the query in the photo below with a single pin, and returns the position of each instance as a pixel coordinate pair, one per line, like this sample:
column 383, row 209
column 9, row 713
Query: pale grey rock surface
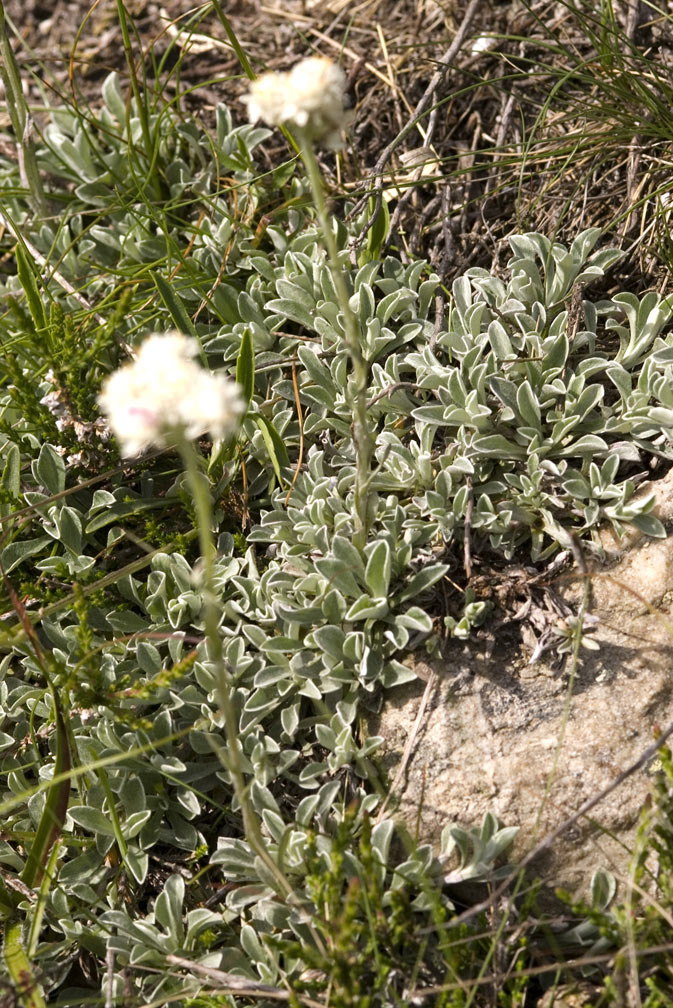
column 500, row 735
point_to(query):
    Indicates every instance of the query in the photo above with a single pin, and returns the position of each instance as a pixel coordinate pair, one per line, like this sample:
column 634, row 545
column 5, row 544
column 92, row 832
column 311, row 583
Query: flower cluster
column 310, row 99
column 164, row 392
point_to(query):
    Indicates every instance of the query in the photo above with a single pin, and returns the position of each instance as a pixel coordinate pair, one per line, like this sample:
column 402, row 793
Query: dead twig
column 240, row 985
column 389, row 389
column 411, row 742
column 300, row 420
column 467, row 530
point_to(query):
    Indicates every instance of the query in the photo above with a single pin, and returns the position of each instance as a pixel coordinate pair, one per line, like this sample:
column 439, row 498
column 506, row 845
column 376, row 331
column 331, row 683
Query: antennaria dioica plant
column 544, row 420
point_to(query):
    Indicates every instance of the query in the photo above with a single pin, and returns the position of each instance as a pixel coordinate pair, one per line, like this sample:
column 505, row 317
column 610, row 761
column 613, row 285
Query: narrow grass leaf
column 274, row 445
column 20, row 968
column 178, row 312
column 56, row 805
column 245, row 366
column 26, row 272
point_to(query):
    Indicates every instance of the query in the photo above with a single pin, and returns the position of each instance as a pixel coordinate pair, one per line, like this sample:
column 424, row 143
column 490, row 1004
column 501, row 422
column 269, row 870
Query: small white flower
column 310, row 98
column 163, row 392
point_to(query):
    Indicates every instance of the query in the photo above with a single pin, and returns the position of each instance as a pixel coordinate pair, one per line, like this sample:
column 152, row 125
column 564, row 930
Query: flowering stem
column 353, row 339
column 211, row 617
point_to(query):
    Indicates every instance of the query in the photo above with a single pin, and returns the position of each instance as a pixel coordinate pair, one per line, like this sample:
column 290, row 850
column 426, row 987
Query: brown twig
column 389, row 389
column 467, row 530
column 300, row 419
column 240, row 985
column 410, row 743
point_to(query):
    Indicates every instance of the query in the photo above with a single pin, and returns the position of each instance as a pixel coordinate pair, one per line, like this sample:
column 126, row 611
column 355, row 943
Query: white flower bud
column 163, row 392
column 310, row 98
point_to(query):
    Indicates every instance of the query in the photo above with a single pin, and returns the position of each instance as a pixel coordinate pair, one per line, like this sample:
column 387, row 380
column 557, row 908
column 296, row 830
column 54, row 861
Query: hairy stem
column 211, row 617
column 353, row 340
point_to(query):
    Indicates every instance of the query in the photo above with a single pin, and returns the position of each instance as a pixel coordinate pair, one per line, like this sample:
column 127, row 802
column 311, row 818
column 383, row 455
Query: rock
column 568, row 996
column 530, row 744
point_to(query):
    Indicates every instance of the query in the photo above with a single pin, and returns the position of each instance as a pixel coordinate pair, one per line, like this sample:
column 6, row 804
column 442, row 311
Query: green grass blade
column 22, row 121
column 178, row 312
column 20, row 968
column 235, row 44
column 245, row 366
column 377, row 234
column 26, row 272
column 56, row 805
column 274, row 445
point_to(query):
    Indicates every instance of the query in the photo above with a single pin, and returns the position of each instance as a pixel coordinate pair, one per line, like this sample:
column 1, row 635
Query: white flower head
column 310, row 98
column 163, row 392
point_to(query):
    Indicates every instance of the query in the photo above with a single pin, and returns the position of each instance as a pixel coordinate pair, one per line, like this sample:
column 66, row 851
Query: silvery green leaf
column 279, row 645
column 378, row 570
column 589, row 444
column 303, row 615
column 462, row 295
column 272, row 675
column 137, row 862
column 87, row 866
column 588, row 400
column 648, row 524
column 498, row 843
column 500, row 341
column 70, row 529
column 113, row 98
column 430, row 414
column 311, row 772
column 362, row 304
column 235, row 856
column 199, row 920
column 415, row 618
column 381, row 838
column 16, row 552
column 394, row 302
column 132, row 795
column 334, row 606
column 603, row 889
column 274, row 824
column 168, row 906
column 584, row 243
column 289, row 717
column 527, row 405
column 6, row 740
column 421, row 581
column 292, row 310
column 134, row 823
column 499, row 446
column 505, row 391
column 49, row 470
column 317, row 371
column 339, row 575
column 310, row 689
column 91, row 819
column 397, row 635
column 368, row 608
column 344, row 551
column 306, row 809
column 325, row 736
column 112, row 513
column 330, row 639
column 660, row 416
